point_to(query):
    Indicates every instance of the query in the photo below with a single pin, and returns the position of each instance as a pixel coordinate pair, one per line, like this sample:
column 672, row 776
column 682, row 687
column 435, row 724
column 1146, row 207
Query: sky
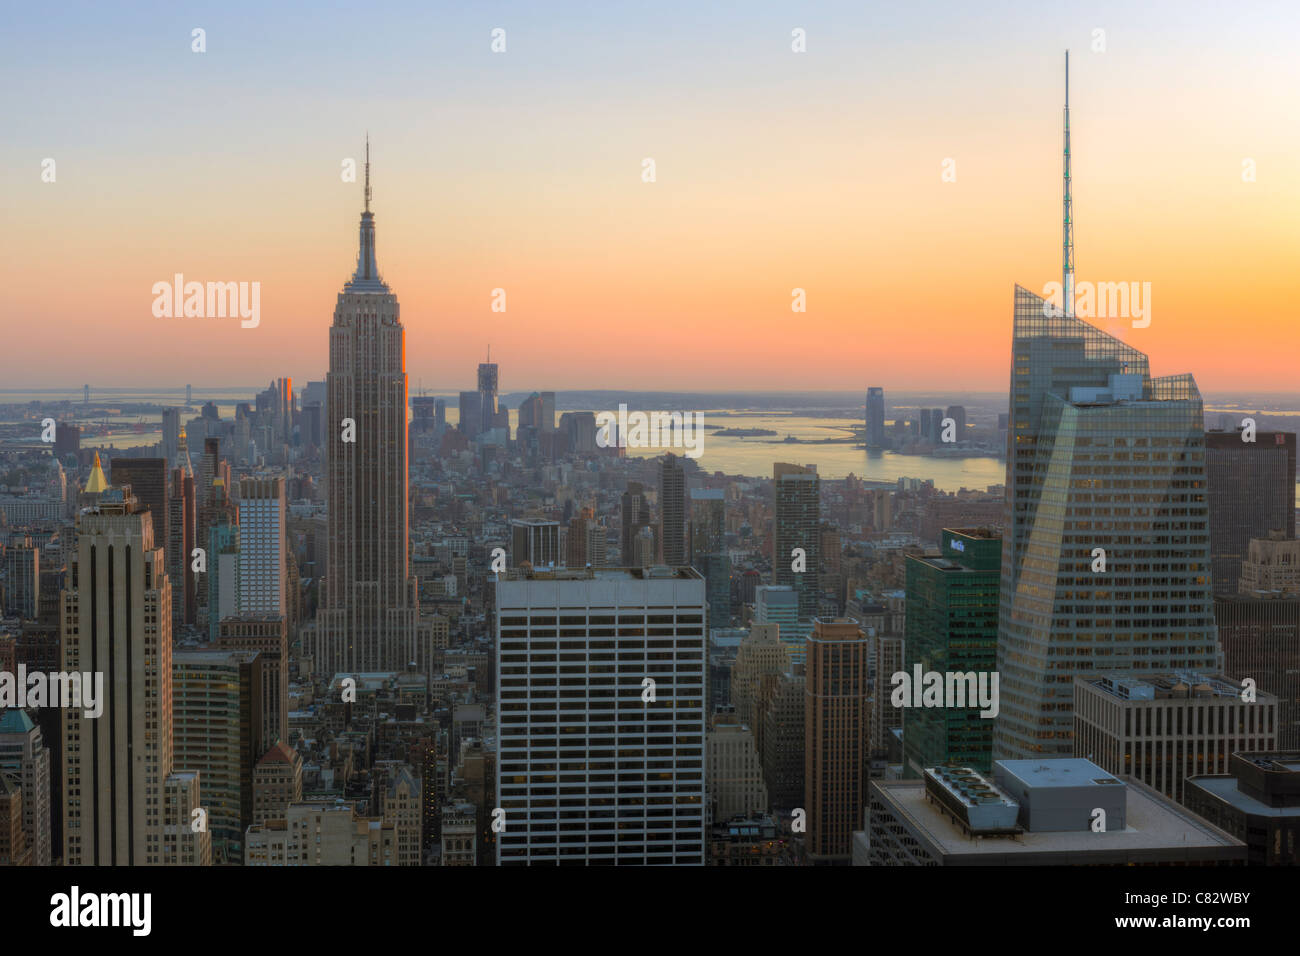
column 523, row 170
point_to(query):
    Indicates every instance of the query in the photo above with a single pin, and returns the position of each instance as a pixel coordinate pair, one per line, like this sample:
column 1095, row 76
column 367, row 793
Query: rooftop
column 280, row 753
column 14, row 720
column 203, row 655
column 657, row 572
column 969, row 787
column 985, row 533
column 1176, row 684
column 1284, row 762
column 1224, row 786
column 1153, row 823
column 1059, row 772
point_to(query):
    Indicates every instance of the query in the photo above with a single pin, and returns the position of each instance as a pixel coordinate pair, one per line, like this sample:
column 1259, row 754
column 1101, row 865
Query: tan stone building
column 733, row 774
column 122, row 806
column 13, row 841
column 459, row 829
column 269, row 635
column 782, row 756
column 277, row 782
column 1272, row 564
column 885, row 717
column 761, row 659
column 836, row 738
column 369, row 617
column 320, row 833
column 402, row 815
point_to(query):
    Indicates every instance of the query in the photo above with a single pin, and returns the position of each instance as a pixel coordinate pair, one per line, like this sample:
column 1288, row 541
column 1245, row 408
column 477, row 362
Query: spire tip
column 367, row 171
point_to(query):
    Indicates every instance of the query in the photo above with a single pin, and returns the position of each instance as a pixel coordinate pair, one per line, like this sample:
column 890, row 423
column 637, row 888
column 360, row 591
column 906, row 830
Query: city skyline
column 854, row 211
column 1000, row 594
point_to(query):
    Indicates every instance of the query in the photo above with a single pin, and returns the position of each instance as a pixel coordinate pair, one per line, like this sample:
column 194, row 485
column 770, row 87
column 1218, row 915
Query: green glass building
column 952, row 626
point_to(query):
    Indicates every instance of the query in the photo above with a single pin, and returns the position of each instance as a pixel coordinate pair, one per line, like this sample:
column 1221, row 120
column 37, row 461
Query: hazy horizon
column 74, row 393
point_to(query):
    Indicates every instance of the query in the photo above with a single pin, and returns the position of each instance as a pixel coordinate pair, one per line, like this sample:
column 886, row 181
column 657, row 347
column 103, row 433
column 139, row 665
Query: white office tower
column 263, row 573
column 601, row 721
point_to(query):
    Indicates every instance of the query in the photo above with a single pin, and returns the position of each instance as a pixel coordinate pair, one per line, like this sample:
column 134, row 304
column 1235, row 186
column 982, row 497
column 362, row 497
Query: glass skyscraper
column 1104, row 462
column 1252, row 492
column 951, row 626
column 797, row 524
column 875, row 417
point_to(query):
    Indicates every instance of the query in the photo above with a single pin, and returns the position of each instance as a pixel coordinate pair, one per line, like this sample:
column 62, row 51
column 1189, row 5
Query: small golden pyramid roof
column 96, row 482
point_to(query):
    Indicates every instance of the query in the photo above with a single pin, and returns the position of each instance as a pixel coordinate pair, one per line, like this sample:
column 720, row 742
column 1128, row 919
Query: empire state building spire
column 369, row 613
column 366, row 278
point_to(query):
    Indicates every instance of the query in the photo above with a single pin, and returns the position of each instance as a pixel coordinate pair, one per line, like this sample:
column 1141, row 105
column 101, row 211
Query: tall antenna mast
column 368, row 169
column 1067, row 222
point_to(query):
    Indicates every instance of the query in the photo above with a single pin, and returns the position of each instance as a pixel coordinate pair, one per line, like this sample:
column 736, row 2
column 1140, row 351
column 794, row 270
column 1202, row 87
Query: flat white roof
column 1152, row 823
column 1058, row 772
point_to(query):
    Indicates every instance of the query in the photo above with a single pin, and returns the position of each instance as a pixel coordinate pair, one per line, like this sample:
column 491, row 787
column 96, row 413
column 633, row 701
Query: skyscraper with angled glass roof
column 1106, row 547
column 1105, row 463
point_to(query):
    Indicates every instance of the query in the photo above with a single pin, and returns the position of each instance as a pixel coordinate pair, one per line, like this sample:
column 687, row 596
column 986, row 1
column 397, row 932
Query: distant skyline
column 522, row 170
column 1245, row 396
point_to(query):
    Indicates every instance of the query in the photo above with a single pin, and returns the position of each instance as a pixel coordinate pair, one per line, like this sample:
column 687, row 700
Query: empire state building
column 369, row 617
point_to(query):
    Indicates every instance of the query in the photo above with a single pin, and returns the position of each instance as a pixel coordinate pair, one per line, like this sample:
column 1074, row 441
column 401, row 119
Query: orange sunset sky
column 522, row 171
